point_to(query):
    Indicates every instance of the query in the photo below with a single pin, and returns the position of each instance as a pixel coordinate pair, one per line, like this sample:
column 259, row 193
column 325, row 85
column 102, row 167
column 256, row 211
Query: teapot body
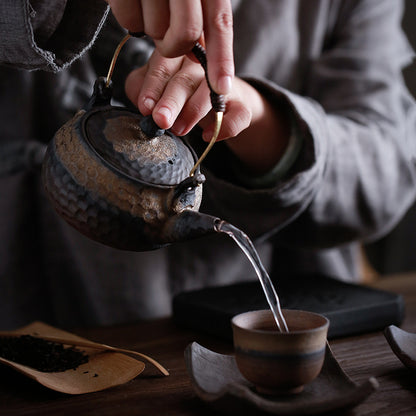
column 120, row 188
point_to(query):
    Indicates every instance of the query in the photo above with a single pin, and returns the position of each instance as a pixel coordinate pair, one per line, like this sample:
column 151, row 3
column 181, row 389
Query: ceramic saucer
column 403, row 344
column 217, row 380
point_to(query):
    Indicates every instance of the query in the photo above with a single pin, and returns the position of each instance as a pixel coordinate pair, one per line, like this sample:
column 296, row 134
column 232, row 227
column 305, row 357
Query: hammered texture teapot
column 119, row 179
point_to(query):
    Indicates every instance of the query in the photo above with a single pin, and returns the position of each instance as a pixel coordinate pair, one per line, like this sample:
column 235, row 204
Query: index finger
column 218, row 32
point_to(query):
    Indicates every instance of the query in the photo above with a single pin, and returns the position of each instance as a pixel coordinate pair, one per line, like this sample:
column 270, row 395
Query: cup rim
column 268, row 312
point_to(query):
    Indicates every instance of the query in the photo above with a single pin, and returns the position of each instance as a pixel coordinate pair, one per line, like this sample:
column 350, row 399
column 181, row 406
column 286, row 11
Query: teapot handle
column 217, row 100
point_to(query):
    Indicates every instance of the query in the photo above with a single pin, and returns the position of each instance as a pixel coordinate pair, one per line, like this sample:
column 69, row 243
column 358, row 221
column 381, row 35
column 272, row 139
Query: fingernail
column 224, row 84
column 166, row 113
column 149, row 103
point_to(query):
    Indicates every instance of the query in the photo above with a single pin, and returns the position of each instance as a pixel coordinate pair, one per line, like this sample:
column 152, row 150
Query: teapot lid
column 117, row 138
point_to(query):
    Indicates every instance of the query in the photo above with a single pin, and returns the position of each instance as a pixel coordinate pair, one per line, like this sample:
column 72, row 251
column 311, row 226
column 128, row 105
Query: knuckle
column 223, row 22
column 196, row 112
column 160, row 72
column 186, row 80
column 190, row 33
column 181, row 43
column 172, row 103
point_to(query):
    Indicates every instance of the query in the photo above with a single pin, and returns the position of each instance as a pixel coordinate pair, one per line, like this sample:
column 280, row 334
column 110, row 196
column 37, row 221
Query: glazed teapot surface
column 120, row 180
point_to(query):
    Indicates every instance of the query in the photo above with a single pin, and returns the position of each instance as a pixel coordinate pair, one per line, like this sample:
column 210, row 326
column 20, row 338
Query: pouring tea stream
column 119, row 179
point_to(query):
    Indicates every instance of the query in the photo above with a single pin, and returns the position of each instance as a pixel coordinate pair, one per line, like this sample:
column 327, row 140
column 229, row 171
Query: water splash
column 248, row 248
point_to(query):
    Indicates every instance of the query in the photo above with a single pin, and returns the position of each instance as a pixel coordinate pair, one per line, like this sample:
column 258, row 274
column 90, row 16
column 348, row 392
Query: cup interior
column 297, row 320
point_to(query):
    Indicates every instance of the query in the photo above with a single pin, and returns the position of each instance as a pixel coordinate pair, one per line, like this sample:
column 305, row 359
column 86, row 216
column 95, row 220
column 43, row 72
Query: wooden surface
column 149, row 394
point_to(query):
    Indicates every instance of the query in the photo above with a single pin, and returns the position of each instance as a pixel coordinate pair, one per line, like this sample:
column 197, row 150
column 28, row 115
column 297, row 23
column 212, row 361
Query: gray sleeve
column 48, row 35
column 355, row 176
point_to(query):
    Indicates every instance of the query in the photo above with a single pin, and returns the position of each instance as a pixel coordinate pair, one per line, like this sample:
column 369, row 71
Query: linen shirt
column 335, row 68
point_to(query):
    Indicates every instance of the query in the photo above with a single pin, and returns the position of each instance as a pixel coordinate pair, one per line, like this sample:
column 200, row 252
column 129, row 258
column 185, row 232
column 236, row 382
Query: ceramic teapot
column 119, row 179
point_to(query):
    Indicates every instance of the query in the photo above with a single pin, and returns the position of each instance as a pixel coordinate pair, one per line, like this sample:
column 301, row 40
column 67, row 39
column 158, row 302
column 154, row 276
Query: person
column 316, row 153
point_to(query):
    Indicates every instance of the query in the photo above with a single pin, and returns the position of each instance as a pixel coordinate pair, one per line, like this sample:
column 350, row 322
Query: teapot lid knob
column 150, row 128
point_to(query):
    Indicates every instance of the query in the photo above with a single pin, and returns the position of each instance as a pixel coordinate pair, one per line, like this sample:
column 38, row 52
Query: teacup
column 280, row 362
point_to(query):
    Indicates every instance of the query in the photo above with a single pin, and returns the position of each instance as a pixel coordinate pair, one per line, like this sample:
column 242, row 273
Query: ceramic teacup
column 280, row 362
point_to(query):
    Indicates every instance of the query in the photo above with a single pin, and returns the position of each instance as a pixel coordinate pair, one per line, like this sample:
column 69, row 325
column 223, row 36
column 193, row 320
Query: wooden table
column 360, row 356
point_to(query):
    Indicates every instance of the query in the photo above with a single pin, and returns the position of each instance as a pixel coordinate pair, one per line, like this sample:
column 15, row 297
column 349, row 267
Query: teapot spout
column 188, row 225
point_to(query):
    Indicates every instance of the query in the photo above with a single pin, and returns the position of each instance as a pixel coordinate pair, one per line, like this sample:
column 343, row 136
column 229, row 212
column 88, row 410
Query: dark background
column 397, row 251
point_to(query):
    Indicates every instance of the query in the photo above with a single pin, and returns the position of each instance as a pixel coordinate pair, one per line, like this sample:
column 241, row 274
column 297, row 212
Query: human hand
column 176, row 25
column 175, row 92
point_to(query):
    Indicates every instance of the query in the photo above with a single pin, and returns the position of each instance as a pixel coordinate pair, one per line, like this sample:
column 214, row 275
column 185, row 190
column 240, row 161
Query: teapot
column 120, row 180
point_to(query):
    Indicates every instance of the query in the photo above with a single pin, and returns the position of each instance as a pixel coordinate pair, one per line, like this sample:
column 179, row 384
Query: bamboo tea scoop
column 92, row 345
column 98, row 372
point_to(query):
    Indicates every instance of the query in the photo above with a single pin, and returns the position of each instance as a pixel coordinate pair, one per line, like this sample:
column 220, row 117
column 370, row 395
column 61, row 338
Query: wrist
column 262, row 144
